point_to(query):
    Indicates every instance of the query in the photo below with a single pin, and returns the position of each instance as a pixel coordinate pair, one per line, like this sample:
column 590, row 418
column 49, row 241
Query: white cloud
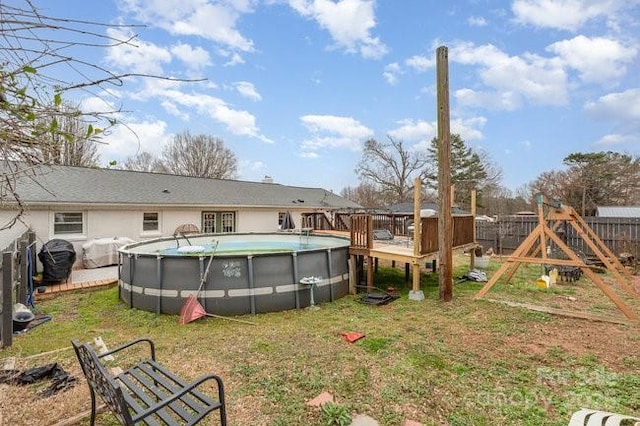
column 565, row 14
column 349, row 22
column 238, row 122
column 511, row 80
column 391, row 72
column 215, row 21
column 468, row 128
column 333, row 132
column 597, row 59
column 97, row 105
column 476, row 21
column 411, row 130
column 234, row 59
column 309, row 154
column 139, row 56
column 194, row 58
column 422, row 132
column 127, row 140
column 420, row 63
column 173, row 109
column 620, row 106
column 613, row 139
column 622, row 109
column 507, row 100
column 247, row 90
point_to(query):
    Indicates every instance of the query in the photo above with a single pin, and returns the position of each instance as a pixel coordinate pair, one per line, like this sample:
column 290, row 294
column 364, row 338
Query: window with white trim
column 228, row 222
column 150, row 222
column 68, row 223
column 218, row 222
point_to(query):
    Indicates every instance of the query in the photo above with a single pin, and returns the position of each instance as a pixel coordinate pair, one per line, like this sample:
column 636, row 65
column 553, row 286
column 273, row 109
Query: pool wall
column 237, row 284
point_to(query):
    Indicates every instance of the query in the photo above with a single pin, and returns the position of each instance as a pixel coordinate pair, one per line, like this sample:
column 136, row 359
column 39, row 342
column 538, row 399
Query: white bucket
column 481, row 262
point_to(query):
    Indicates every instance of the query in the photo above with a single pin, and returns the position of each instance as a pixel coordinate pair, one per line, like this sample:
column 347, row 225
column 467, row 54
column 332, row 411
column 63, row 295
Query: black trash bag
column 57, row 257
column 60, row 379
column 35, row 374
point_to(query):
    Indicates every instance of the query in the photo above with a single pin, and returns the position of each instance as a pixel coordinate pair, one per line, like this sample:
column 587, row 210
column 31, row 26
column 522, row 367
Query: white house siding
column 103, row 222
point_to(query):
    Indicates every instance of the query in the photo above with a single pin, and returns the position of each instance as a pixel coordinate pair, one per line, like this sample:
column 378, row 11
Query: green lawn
column 467, row 362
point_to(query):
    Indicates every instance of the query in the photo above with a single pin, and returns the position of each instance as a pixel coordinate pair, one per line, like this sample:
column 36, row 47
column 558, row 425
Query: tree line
column 387, row 171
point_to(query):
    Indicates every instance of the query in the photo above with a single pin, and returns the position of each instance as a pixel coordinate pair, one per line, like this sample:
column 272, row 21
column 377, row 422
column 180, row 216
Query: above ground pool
column 248, row 273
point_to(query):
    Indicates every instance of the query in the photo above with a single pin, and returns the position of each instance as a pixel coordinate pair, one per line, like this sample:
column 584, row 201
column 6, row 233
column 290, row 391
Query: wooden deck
column 400, row 249
column 399, row 253
column 81, row 279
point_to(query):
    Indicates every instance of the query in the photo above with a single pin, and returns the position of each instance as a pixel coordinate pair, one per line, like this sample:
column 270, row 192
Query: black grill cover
column 57, row 257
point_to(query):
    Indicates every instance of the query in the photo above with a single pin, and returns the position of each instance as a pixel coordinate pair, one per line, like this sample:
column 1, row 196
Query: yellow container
column 543, row 282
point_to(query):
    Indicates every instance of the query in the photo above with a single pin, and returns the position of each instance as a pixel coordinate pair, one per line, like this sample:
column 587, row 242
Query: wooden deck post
column 369, row 247
column 472, row 262
column 353, row 274
column 416, row 293
column 445, row 221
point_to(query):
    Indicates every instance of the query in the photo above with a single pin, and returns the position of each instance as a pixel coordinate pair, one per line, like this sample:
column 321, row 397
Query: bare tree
column 391, row 167
column 201, row 156
column 71, row 143
column 364, row 194
column 499, row 200
column 593, row 179
column 145, row 162
column 38, row 67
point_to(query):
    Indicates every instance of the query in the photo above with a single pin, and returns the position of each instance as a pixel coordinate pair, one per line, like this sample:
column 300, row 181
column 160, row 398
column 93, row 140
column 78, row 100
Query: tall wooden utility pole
column 445, row 220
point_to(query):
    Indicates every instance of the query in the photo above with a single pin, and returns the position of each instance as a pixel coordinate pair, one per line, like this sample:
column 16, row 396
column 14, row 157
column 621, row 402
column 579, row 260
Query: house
column 618, row 211
column 79, row 204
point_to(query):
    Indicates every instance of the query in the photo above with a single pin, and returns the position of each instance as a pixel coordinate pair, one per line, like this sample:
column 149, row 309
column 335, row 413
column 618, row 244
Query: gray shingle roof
column 81, row 185
column 619, row 211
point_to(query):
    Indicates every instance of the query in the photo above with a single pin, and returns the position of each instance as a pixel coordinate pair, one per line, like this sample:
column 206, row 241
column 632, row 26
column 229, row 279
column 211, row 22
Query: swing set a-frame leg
column 511, row 262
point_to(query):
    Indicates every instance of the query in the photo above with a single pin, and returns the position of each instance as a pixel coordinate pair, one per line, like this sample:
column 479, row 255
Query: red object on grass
column 191, row 310
column 352, row 336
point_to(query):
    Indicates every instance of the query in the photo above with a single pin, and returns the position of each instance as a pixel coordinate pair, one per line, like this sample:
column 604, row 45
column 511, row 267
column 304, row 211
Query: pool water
column 243, row 248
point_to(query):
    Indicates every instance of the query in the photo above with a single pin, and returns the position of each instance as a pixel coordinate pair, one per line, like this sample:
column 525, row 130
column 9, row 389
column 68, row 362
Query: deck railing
column 362, row 226
column 361, row 231
column 462, row 233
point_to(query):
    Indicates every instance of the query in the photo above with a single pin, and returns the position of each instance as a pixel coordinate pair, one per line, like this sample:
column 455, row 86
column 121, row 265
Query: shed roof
column 618, row 211
column 83, row 185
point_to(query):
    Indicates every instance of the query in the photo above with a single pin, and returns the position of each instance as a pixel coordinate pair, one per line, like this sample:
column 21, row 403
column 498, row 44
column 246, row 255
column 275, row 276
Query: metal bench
column 147, row 393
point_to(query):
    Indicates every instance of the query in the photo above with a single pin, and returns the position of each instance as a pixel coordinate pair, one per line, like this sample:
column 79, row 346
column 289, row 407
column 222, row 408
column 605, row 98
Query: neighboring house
column 79, row 204
column 618, row 211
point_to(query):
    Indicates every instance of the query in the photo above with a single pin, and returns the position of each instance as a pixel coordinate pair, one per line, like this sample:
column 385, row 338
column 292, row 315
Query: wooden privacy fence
column 15, row 279
column 621, row 235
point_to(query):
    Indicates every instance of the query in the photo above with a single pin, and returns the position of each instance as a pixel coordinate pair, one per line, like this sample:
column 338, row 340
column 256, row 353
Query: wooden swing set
column 529, row 252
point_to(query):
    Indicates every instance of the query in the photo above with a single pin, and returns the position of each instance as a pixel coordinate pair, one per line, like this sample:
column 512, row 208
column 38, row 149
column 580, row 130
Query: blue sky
column 295, row 87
